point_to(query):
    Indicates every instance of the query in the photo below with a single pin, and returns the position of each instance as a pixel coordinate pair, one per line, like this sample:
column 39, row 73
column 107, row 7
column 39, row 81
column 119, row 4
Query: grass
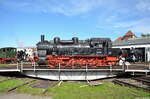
column 71, row 90
column 4, row 86
column 5, row 65
column 30, row 90
column 104, row 91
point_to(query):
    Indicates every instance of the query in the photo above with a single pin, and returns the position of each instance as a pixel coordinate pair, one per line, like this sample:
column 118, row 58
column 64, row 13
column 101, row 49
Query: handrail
column 21, row 68
column 34, row 66
column 149, row 65
column 22, row 65
column 86, row 72
column 59, row 70
column 17, row 65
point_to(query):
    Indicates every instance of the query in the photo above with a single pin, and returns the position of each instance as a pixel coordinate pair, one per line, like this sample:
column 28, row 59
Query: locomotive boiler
column 75, row 53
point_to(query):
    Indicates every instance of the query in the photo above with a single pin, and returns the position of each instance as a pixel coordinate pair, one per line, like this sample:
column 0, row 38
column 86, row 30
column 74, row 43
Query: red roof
column 128, row 35
column 119, row 38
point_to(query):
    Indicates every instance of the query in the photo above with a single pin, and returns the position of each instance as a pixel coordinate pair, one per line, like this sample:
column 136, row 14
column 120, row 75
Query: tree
column 145, row 35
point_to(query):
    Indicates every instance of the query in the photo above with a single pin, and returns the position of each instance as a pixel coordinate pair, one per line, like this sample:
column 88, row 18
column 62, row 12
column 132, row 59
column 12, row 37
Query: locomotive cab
column 101, row 45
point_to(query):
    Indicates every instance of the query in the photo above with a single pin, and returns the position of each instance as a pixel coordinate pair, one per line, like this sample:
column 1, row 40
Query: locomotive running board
column 68, row 75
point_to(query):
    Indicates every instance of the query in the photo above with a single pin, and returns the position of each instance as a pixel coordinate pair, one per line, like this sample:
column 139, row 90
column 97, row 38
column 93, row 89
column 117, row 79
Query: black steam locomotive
column 93, row 49
column 93, row 46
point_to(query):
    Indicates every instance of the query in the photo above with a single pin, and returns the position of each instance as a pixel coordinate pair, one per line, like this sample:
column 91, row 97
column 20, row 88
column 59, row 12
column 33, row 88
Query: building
column 140, row 44
column 127, row 36
column 30, row 51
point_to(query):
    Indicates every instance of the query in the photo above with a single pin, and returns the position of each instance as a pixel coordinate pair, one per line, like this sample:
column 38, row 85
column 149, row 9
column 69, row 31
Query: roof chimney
column 42, row 38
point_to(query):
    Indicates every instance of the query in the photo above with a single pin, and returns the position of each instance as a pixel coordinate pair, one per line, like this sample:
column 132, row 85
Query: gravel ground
column 21, row 96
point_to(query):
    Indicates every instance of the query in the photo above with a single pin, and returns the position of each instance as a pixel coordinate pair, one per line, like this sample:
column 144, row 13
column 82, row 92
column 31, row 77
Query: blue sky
column 23, row 21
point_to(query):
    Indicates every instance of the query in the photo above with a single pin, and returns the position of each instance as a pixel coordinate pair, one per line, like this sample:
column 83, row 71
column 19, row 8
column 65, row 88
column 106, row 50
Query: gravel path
column 21, row 96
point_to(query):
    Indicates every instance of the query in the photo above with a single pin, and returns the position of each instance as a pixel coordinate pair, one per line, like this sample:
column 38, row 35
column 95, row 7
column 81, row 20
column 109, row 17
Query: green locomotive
column 8, row 54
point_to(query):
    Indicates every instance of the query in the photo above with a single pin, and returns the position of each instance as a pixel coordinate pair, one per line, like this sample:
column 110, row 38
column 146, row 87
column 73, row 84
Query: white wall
column 147, row 52
column 146, row 46
column 132, row 46
column 29, row 51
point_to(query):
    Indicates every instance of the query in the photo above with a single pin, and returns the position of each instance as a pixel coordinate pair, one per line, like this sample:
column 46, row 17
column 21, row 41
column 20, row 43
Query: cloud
column 111, row 18
column 143, row 5
column 11, row 4
column 127, row 24
column 127, row 15
column 140, row 26
column 143, row 26
column 111, row 14
column 66, row 7
column 75, row 7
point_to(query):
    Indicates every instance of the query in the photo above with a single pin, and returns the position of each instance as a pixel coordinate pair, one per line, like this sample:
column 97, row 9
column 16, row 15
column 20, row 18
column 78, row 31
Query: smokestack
column 42, row 38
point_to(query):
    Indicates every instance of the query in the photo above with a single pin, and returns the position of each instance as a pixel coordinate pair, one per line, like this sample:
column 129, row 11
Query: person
column 133, row 58
column 121, row 60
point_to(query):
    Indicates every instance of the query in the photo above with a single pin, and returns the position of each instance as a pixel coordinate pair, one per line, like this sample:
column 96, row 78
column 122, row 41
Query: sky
column 23, row 21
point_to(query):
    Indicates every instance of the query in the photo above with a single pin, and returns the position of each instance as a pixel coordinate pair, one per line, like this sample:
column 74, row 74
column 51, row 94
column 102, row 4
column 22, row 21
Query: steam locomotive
column 75, row 53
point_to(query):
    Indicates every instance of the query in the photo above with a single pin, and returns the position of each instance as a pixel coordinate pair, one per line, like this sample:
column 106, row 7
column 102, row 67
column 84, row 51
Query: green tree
column 145, row 35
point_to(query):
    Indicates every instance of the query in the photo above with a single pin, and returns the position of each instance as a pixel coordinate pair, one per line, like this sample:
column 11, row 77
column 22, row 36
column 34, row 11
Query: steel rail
column 14, row 88
column 122, row 83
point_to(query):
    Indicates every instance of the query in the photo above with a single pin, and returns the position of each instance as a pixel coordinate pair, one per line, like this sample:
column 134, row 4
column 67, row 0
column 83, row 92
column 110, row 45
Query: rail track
column 134, row 82
column 53, row 84
column 25, row 83
column 144, row 80
column 30, row 82
column 44, row 84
